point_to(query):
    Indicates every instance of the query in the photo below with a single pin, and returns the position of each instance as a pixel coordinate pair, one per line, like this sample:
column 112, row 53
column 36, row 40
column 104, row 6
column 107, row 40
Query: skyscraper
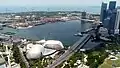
column 106, row 22
column 112, row 14
column 103, row 14
column 108, row 16
column 117, row 22
column 112, row 22
column 83, row 15
column 112, row 5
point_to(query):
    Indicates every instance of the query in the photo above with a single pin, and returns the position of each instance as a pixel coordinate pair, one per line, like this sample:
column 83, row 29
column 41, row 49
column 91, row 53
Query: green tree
column 94, row 65
column 17, row 56
column 66, row 66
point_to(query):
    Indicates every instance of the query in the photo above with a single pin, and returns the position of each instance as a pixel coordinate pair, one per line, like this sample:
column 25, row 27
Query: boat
column 78, row 34
column 39, row 24
column 24, row 27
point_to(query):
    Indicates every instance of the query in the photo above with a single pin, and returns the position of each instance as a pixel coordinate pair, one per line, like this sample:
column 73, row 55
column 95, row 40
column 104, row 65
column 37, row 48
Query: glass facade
column 112, row 5
column 112, row 14
column 103, row 12
column 83, row 15
column 112, row 23
column 108, row 16
column 106, row 22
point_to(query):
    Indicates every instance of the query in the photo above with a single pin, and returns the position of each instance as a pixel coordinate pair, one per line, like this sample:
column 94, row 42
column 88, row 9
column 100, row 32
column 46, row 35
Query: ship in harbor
column 78, row 34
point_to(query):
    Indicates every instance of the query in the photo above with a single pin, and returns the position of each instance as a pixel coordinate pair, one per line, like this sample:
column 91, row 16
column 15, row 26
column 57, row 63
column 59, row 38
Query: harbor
column 52, row 31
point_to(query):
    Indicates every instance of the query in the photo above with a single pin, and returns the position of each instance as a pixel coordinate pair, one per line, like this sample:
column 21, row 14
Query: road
column 23, row 58
column 70, row 51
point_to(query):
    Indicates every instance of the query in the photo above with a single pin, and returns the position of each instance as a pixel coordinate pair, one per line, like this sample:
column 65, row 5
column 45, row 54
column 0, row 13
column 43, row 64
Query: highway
column 70, row 51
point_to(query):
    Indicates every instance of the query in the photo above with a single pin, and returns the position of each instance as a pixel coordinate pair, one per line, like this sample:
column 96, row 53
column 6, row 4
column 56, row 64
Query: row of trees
column 95, row 60
column 76, row 56
column 40, row 62
column 17, row 56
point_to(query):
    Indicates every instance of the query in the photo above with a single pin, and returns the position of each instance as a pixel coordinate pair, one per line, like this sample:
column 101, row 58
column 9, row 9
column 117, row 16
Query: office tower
column 108, row 16
column 117, row 22
column 83, row 15
column 112, row 14
column 112, row 5
column 106, row 22
column 112, row 22
column 103, row 14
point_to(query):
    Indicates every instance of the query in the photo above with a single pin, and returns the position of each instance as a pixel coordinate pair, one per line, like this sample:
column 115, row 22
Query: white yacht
column 78, row 34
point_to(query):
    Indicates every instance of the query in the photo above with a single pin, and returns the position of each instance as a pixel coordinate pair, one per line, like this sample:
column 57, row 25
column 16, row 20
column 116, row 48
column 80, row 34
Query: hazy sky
column 53, row 2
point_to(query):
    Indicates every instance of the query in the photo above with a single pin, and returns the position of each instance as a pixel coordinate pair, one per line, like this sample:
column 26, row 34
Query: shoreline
column 14, row 26
column 30, row 26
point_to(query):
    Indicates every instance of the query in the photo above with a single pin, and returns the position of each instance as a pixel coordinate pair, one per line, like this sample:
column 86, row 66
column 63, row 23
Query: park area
column 111, row 62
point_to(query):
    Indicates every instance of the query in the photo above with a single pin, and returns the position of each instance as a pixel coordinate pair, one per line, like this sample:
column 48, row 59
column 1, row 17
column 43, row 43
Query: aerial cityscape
column 60, row 37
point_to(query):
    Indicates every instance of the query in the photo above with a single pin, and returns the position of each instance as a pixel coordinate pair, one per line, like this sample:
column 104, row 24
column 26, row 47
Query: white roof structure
column 48, row 51
column 53, row 44
column 29, row 46
column 41, row 41
column 35, row 51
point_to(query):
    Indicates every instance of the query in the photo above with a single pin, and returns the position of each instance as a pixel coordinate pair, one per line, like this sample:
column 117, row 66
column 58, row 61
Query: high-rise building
column 108, row 16
column 83, row 15
column 117, row 22
column 106, row 22
column 111, row 13
column 112, row 5
column 103, row 14
column 112, row 22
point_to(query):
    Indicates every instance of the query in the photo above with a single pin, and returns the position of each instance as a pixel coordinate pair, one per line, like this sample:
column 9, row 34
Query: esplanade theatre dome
column 35, row 51
column 53, row 44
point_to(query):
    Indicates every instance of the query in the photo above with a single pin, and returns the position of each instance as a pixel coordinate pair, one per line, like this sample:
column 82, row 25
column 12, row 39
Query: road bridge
column 70, row 51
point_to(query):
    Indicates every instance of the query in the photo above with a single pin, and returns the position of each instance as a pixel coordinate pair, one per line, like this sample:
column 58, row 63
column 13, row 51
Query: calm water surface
column 63, row 31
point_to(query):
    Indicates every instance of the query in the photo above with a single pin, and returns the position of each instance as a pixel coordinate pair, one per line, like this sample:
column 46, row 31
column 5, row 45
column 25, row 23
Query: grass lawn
column 117, row 63
column 108, row 63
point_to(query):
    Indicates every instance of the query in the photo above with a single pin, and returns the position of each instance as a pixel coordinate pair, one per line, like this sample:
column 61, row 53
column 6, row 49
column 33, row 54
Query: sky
column 53, row 2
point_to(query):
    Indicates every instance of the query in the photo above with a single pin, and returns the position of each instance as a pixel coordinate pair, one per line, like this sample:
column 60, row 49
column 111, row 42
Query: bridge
column 87, row 20
column 80, row 43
